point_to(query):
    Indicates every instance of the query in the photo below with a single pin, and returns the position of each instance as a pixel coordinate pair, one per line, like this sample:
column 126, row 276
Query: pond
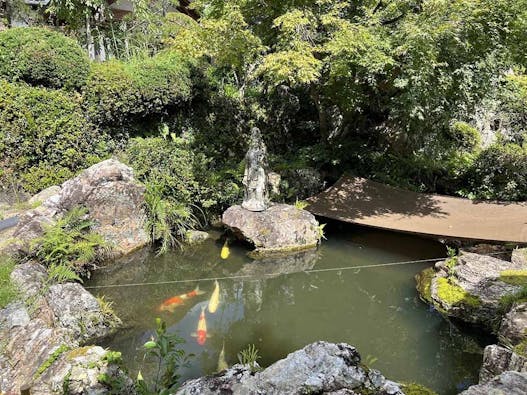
column 279, row 307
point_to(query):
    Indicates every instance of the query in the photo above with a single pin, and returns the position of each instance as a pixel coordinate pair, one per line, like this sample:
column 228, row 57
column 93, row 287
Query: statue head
column 256, row 137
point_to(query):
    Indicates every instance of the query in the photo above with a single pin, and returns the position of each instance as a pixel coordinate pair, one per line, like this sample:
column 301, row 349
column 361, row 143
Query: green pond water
column 279, row 308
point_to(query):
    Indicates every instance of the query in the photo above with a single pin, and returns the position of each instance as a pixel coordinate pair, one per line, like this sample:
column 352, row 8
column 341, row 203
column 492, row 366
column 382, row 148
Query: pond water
column 279, row 308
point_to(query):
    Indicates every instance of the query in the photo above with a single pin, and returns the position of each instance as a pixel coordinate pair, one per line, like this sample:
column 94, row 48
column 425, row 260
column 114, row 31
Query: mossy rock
column 453, row 295
column 514, row 277
column 424, row 284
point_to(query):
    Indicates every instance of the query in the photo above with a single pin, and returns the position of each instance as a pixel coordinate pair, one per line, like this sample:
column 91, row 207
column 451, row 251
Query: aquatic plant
column 8, row 291
column 163, row 349
column 454, row 295
column 515, row 277
column 249, row 356
column 451, row 261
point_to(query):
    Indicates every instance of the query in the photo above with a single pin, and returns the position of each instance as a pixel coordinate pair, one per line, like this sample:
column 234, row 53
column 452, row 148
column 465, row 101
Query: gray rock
column 42, row 196
column 478, row 276
column 507, row 383
column 513, row 329
column 14, row 315
column 279, row 228
column 115, row 202
column 497, row 359
column 29, row 278
column 320, row 367
column 196, row 236
column 78, row 312
column 519, row 256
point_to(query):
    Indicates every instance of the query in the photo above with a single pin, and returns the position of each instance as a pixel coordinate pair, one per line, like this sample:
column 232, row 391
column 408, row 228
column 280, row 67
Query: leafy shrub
column 44, row 135
column 118, row 91
column 42, row 57
column 466, row 136
column 499, row 172
column 69, row 247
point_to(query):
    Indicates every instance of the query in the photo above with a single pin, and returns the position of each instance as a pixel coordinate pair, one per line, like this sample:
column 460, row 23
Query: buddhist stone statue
column 256, row 196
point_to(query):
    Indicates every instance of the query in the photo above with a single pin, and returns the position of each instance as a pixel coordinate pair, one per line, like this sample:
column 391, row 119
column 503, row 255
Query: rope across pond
column 248, row 276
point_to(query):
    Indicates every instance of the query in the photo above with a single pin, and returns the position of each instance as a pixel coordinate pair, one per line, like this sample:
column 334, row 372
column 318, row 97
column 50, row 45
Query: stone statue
column 256, row 196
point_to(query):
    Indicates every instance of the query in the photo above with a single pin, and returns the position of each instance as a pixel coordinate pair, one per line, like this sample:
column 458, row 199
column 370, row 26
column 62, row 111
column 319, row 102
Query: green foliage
column 521, row 348
column 69, row 247
column 163, row 349
column 301, row 204
column 44, row 136
column 111, row 317
column 119, row 92
column 51, row 359
column 499, row 172
column 181, row 185
column 507, row 301
column 451, row 261
column 42, row 57
column 454, row 295
column 8, row 291
column 465, row 135
column 249, row 356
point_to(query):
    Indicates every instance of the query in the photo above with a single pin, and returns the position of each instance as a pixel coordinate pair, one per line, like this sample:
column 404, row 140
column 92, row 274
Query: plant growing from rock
column 69, row 248
column 8, row 291
column 249, row 356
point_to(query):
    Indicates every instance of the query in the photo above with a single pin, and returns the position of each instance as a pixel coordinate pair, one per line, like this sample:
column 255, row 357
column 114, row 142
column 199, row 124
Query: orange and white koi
column 201, row 331
column 215, row 298
column 171, row 303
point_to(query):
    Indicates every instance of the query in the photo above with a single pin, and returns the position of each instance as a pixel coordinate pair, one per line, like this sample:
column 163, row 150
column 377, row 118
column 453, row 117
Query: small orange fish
column 171, row 303
column 201, row 332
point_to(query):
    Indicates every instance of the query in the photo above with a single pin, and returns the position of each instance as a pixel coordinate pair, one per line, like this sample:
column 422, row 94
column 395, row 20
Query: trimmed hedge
column 42, row 57
column 118, row 92
column 44, row 136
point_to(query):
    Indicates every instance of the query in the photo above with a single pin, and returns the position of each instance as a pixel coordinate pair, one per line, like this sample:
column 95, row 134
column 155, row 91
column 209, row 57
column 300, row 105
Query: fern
column 69, row 247
column 168, row 221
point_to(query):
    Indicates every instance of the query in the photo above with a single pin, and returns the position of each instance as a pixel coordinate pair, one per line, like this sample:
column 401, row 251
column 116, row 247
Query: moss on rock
column 453, row 294
column 515, row 277
column 424, row 284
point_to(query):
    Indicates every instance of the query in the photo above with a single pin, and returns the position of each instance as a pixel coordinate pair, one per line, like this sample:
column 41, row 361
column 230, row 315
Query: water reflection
column 375, row 309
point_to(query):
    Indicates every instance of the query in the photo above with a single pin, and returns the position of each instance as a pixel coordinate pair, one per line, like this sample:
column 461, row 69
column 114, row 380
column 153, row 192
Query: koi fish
column 222, row 363
column 171, row 303
column 201, row 331
column 225, row 251
column 215, row 298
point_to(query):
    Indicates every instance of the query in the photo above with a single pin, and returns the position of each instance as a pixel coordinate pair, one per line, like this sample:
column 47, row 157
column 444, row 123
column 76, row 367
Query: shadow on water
column 279, row 307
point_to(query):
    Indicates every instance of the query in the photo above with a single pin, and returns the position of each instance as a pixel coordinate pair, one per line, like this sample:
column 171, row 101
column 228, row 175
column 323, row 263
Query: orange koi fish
column 171, row 303
column 201, row 332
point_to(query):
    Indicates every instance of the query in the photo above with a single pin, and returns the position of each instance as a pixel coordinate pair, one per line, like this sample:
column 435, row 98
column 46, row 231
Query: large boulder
column 280, row 228
column 318, row 368
column 471, row 287
column 52, row 322
column 507, row 383
column 497, row 359
column 115, row 203
column 513, row 329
